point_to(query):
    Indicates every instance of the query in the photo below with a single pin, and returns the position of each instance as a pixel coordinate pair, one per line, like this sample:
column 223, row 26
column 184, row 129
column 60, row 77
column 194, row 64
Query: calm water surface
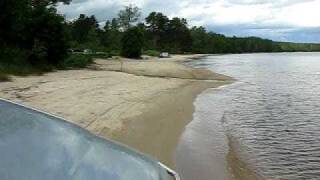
column 271, row 114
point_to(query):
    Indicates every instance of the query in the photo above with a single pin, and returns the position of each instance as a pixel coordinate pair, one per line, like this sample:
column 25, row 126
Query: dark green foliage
column 111, row 37
column 167, row 35
column 49, row 37
column 77, row 61
column 82, row 27
column 13, row 17
column 200, row 40
column 4, row 77
column 33, row 36
column 303, row 47
column 152, row 53
column 204, row 42
column 25, row 70
column 132, row 43
column 180, row 38
column 114, row 53
column 103, row 55
column 157, row 30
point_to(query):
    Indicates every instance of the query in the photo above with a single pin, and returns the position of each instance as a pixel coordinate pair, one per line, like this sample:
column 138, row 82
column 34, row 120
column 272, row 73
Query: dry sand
column 142, row 103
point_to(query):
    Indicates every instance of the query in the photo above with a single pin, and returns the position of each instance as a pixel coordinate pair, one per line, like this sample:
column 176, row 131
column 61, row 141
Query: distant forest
column 33, row 34
column 174, row 35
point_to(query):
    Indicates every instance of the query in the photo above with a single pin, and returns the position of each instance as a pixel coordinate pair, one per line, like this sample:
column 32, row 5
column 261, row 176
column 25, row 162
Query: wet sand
column 237, row 167
column 143, row 103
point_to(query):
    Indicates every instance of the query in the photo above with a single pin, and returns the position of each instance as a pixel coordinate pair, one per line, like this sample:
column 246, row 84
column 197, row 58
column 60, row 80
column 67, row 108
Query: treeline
column 32, row 33
column 303, row 47
column 160, row 33
column 34, row 36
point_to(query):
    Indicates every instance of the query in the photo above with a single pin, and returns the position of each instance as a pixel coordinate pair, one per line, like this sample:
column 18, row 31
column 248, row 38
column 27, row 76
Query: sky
column 279, row 20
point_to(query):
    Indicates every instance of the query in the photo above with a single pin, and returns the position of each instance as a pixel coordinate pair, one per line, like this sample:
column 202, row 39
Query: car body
column 35, row 145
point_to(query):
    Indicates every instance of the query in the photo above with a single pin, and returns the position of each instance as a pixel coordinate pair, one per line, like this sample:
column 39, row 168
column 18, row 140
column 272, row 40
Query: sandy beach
column 142, row 103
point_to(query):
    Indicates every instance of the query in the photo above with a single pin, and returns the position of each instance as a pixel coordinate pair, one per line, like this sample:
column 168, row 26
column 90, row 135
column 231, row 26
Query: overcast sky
column 281, row 20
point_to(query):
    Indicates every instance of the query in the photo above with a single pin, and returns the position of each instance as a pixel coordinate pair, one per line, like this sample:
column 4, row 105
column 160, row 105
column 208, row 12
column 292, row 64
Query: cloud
column 287, row 20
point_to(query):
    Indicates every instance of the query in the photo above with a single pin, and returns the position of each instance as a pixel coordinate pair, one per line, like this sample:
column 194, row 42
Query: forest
column 34, row 37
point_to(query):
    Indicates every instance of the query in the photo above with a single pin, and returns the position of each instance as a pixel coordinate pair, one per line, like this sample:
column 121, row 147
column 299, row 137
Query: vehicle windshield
column 38, row 146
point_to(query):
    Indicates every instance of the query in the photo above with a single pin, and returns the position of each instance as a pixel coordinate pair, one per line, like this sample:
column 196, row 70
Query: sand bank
column 142, row 103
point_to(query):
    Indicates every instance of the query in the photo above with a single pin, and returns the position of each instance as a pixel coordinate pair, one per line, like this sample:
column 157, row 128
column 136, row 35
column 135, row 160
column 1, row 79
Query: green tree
column 128, row 16
column 157, row 29
column 13, row 17
column 132, row 43
column 49, row 36
column 32, row 27
column 200, row 39
column 82, row 26
column 179, row 35
column 112, row 35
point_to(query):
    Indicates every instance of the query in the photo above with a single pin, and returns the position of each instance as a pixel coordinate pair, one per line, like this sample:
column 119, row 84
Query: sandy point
column 142, row 103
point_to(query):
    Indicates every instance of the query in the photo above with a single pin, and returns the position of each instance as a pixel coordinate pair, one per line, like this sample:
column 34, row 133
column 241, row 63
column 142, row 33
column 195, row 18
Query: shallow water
column 271, row 115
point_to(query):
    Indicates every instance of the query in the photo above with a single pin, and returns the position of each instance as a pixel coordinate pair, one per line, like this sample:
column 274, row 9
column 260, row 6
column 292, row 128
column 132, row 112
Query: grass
column 77, row 61
column 10, row 69
column 4, row 77
column 25, row 69
column 152, row 53
column 114, row 53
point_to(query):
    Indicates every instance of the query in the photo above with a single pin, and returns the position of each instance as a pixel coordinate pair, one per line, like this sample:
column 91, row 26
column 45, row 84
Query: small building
column 164, row 55
column 87, row 51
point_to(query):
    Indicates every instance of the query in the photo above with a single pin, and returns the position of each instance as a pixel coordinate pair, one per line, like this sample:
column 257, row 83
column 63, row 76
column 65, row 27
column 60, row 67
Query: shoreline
column 145, row 104
column 238, row 167
column 178, row 105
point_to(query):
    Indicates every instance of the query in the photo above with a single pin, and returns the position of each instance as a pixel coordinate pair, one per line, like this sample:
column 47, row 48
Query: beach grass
column 152, row 53
column 4, row 77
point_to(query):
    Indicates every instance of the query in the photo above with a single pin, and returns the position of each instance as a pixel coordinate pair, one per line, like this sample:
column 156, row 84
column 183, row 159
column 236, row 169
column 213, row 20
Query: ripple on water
column 273, row 112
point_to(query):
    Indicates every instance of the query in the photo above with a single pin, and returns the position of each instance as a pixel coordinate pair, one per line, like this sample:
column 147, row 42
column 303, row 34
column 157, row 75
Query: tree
column 132, row 43
column 179, row 35
column 157, row 28
column 49, row 37
column 13, row 17
column 50, row 2
column 112, row 35
column 33, row 27
column 82, row 26
column 200, row 39
column 107, row 26
column 128, row 16
column 115, row 24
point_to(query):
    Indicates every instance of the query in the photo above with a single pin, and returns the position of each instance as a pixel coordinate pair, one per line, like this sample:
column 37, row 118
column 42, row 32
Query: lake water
column 269, row 119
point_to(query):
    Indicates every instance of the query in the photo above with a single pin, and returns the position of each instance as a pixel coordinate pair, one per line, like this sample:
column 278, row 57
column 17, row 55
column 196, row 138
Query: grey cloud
column 248, row 2
column 273, row 3
column 290, row 2
column 263, row 27
column 101, row 9
column 165, row 6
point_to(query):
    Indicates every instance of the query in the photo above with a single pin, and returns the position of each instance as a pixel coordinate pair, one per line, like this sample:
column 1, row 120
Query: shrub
column 132, row 43
column 14, row 61
column 24, row 70
column 13, row 55
column 4, row 77
column 114, row 53
column 101, row 55
column 49, row 37
column 152, row 53
column 77, row 61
